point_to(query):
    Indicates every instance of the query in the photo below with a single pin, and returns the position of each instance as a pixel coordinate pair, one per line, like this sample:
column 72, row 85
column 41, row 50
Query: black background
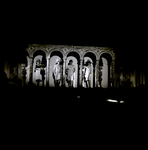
column 130, row 49
column 122, row 27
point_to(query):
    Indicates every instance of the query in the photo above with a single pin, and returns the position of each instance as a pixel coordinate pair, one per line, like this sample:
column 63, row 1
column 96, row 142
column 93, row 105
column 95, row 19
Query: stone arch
column 54, row 55
column 75, row 56
column 56, row 52
column 92, row 56
column 106, row 52
column 74, row 51
column 105, row 61
column 108, row 56
column 90, row 52
column 39, row 61
column 41, row 51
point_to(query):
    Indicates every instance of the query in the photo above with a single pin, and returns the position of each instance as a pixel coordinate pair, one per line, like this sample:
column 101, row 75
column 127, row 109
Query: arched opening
column 92, row 57
column 76, row 62
column 39, row 68
column 105, row 61
column 42, row 53
column 53, row 57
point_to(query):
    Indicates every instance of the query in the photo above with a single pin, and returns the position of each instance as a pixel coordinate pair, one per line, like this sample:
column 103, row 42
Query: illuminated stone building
column 38, row 60
column 102, row 63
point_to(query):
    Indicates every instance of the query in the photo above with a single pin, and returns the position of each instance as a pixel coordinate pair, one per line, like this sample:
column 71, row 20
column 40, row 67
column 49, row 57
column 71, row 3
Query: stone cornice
column 65, row 49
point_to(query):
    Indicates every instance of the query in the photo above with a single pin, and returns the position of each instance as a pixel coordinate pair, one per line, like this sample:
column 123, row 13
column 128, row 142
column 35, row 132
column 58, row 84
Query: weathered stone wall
column 65, row 50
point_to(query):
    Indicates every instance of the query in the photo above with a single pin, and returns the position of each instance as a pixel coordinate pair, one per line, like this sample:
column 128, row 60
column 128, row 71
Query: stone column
column 64, row 67
column 100, row 76
column 30, row 70
column 80, row 72
column 42, row 72
column 96, row 73
column 47, row 71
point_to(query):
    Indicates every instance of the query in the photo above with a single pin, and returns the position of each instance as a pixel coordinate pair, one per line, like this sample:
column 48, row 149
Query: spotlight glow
column 112, row 100
column 121, row 101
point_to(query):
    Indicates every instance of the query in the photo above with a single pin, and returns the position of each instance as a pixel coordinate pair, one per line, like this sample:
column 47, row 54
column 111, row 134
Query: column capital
column 31, row 60
column 48, row 57
column 97, row 63
column 65, row 58
column 81, row 61
column 30, row 57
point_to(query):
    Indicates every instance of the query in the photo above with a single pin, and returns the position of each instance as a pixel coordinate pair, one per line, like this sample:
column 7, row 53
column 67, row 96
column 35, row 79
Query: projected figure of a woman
column 37, row 69
column 70, row 73
column 57, row 73
column 87, row 73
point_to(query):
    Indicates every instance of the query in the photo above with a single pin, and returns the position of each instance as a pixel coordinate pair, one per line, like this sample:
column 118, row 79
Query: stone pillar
column 96, row 73
column 47, row 71
column 80, row 72
column 64, row 67
column 30, row 70
column 100, row 76
column 42, row 72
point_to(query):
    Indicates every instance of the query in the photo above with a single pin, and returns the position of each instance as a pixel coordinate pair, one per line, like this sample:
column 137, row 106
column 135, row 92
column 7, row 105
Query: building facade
column 34, row 66
column 102, row 62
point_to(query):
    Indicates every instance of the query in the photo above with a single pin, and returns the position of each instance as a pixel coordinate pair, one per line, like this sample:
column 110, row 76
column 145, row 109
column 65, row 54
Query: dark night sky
column 128, row 43
column 121, row 27
column 129, row 53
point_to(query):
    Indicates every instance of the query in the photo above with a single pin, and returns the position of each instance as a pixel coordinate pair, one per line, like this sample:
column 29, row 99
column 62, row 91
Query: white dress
column 37, row 74
column 70, row 72
column 87, row 71
column 57, row 71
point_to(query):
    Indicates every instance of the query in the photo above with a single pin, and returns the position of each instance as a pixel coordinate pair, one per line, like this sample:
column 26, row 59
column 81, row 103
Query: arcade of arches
column 40, row 59
column 102, row 63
